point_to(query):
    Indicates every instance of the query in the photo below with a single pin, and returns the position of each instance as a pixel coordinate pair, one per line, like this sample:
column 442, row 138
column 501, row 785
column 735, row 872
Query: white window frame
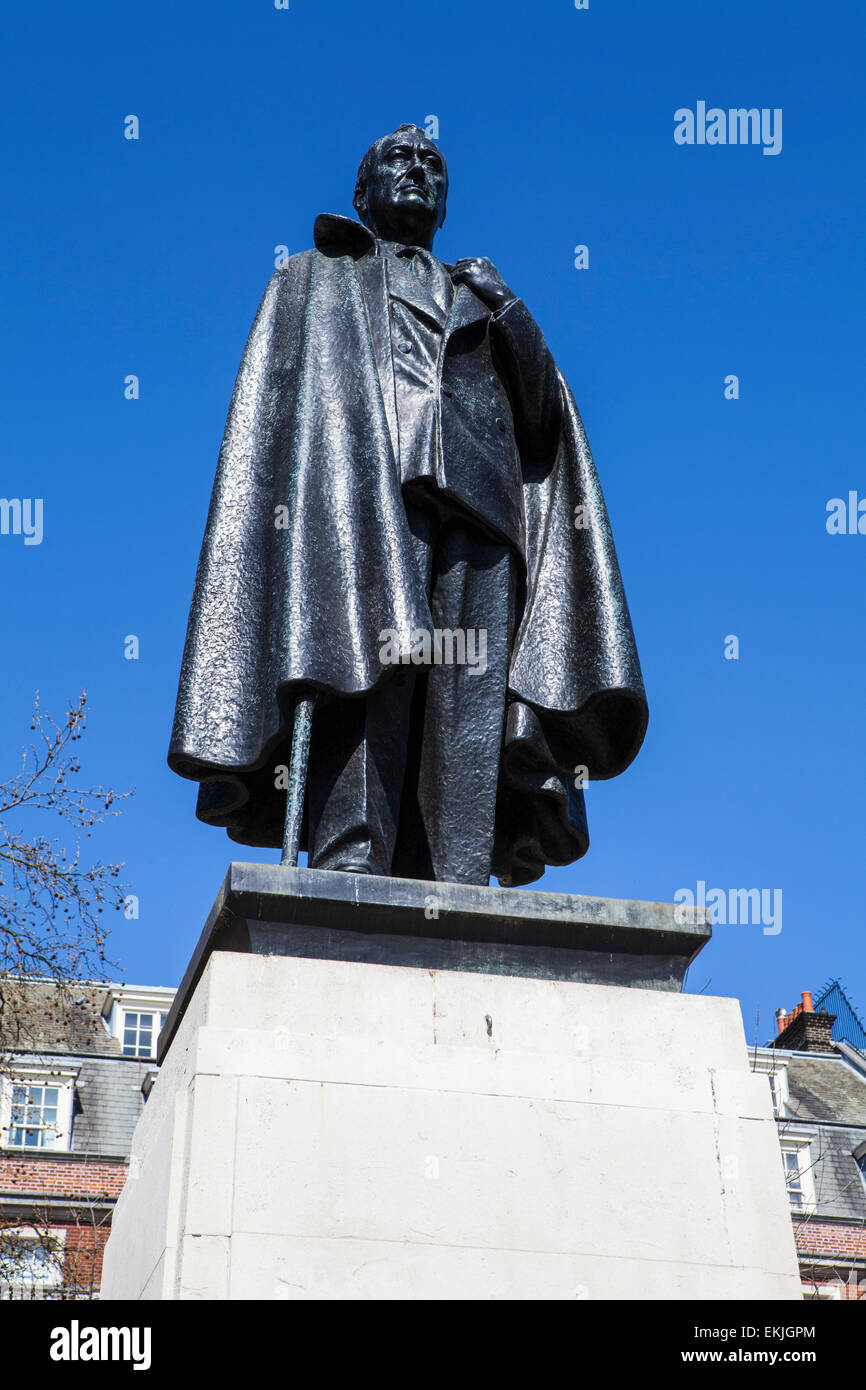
column 776, row 1071
column 19, row 1288
column 830, row 1292
column 120, row 1001
column 63, row 1078
column 801, row 1148
column 156, row 1027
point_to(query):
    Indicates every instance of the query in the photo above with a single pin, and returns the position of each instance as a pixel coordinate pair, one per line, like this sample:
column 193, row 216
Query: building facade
column 818, row 1085
column 78, row 1061
column 76, row 1064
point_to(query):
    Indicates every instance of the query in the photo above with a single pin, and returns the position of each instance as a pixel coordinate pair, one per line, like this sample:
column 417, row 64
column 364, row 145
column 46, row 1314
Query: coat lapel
column 466, row 308
column 340, row 236
column 404, row 285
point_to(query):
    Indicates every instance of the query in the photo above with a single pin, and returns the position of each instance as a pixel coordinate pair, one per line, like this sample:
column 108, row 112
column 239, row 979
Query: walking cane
column 303, row 721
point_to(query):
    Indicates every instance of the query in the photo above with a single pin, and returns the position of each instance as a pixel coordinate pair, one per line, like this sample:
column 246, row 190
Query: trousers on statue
column 403, row 781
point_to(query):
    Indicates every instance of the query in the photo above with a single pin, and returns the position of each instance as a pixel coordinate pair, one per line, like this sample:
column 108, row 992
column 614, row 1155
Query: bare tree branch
column 52, row 899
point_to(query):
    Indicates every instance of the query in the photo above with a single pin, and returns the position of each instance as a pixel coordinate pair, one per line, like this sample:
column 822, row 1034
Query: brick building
column 76, row 1063
column 818, row 1080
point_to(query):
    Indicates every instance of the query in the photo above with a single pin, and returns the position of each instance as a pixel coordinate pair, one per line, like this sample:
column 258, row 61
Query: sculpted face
column 404, row 198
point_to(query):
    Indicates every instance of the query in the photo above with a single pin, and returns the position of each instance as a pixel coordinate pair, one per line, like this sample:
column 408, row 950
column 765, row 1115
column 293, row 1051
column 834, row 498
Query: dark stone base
column 269, row 910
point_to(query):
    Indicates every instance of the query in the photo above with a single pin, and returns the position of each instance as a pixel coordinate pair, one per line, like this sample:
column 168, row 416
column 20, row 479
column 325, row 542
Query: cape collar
column 334, row 235
column 342, row 236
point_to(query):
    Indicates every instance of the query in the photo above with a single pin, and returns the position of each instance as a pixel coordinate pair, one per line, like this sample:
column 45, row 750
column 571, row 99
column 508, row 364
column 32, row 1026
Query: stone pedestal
column 330, row 1128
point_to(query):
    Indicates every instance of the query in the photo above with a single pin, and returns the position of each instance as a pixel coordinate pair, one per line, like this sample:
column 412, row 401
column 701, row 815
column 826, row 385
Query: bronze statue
column 409, row 641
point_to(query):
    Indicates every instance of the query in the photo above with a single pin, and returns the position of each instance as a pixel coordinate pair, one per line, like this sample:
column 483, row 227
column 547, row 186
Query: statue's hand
column 484, row 279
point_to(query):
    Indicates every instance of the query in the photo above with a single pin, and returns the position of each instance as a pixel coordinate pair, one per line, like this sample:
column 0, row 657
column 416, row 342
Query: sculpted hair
column 368, row 164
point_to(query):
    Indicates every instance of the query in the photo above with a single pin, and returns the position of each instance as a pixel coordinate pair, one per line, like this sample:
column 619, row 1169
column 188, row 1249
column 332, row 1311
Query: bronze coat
column 306, row 558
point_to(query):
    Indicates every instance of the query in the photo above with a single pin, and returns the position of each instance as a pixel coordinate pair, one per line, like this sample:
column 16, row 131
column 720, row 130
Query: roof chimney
column 802, row 1030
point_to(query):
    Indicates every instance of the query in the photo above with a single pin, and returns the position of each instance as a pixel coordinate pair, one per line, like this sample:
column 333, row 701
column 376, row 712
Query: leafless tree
column 53, row 900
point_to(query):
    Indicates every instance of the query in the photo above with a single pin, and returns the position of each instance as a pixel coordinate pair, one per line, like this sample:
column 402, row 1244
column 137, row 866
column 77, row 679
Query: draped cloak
column 306, row 561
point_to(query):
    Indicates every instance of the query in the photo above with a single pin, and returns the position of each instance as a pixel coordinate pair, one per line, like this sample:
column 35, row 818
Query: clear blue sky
column 149, row 257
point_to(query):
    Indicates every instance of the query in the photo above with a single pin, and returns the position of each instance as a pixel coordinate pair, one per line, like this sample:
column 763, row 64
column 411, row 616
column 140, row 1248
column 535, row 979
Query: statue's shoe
column 352, row 866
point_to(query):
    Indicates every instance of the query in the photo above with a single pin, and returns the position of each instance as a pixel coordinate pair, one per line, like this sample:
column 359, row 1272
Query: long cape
column 306, row 561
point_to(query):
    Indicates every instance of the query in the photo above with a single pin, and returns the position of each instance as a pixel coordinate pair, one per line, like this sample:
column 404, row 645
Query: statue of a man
column 406, row 525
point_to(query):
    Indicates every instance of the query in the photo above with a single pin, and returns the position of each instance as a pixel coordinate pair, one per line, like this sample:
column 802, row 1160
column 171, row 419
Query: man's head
column 401, row 187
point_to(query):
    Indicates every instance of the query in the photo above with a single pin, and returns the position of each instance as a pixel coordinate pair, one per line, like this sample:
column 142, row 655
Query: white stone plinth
column 334, row 1130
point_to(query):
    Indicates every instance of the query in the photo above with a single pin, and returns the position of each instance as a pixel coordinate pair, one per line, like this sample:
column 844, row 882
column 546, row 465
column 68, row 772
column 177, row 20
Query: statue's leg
column 448, row 818
column 356, row 780
column 358, row 761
